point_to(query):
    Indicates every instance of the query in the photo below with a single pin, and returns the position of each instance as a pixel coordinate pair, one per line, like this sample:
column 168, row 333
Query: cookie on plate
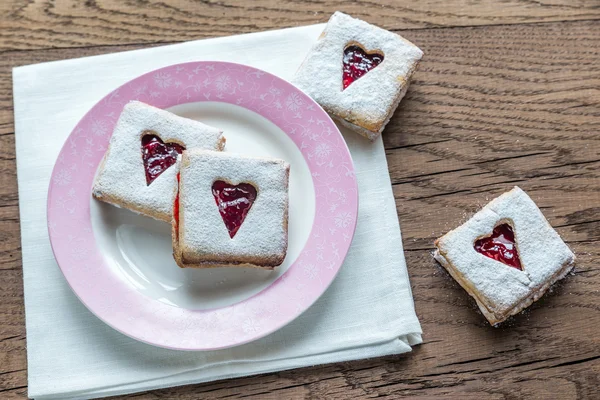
column 506, row 256
column 358, row 73
column 230, row 210
column 139, row 168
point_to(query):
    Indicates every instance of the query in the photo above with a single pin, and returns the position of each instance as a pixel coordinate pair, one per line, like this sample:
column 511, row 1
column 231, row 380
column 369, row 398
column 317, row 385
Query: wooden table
column 508, row 93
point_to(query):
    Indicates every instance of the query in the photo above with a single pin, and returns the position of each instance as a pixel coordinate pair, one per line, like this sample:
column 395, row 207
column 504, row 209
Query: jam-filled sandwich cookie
column 506, row 256
column 230, row 211
column 139, row 168
column 358, row 73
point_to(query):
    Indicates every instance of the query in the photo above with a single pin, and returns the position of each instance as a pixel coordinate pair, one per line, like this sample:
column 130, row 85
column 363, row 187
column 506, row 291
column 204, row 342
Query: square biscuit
column 367, row 104
column 121, row 178
column 200, row 236
column 499, row 289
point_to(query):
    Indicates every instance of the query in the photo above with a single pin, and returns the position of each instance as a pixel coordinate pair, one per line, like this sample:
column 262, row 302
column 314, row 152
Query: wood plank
column 71, row 23
column 490, row 107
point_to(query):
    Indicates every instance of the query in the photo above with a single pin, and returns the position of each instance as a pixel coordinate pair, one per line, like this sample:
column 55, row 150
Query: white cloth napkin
column 367, row 312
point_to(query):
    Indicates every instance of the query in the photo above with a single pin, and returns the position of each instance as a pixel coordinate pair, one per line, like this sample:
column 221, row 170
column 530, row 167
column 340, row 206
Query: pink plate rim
column 132, row 313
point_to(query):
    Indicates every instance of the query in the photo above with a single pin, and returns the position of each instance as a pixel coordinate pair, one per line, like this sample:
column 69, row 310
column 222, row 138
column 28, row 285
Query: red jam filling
column 500, row 246
column 234, row 202
column 157, row 155
column 358, row 62
column 176, row 209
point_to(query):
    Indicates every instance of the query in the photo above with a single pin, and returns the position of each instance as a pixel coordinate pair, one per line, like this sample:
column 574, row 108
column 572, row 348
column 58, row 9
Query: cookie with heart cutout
column 230, row 211
column 139, row 168
column 506, row 256
column 358, row 73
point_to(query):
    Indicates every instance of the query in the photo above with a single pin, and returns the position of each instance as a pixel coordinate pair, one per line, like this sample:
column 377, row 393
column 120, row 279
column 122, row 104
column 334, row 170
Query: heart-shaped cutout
column 158, row 156
column 357, row 62
column 500, row 246
column 234, row 202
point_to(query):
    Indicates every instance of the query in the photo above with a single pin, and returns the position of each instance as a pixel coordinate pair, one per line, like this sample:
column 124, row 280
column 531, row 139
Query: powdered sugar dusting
column 121, row 179
column 203, row 236
column 499, row 289
column 371, row 100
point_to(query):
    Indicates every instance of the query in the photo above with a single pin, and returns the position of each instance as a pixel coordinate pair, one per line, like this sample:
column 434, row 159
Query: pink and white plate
column 120, row 264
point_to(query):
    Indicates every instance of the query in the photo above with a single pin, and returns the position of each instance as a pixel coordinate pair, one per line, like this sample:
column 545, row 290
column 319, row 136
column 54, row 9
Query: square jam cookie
column 139, row 168
column 230, row 210
column 358, row 73
column 506, row 256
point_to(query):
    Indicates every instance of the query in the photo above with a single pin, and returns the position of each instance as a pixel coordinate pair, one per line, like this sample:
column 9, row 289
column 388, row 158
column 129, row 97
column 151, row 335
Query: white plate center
column 139, row 248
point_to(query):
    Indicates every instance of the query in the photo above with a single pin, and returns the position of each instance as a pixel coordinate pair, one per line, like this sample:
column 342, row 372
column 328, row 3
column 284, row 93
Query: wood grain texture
column 490, row 107
column 39, row 24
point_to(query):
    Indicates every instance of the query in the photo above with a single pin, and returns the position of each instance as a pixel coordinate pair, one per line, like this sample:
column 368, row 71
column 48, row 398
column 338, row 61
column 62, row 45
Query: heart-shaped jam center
column 500, row 246
column 158, row 156
column 234, row 202
column 357, row 63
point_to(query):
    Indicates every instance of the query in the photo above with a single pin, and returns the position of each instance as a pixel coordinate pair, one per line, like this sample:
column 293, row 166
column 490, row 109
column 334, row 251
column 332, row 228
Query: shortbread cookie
column 139, row 168
column 358, row 73
column 230, row 211
column 506, row 256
